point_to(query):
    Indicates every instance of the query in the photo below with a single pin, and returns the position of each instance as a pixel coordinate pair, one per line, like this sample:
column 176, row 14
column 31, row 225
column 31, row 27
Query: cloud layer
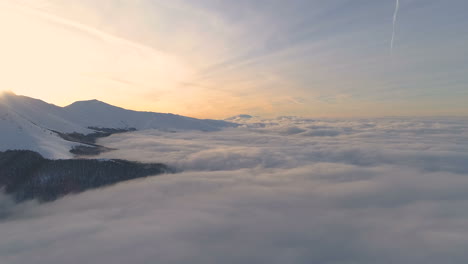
column 288, row 190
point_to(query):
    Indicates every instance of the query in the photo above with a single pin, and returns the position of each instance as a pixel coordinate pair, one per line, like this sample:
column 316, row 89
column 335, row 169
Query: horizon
column 2, row 93
column 214, row 59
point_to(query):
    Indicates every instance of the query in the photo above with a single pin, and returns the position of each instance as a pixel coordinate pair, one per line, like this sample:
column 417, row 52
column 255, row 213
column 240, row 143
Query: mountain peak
column 240, row 117
column 90, row 103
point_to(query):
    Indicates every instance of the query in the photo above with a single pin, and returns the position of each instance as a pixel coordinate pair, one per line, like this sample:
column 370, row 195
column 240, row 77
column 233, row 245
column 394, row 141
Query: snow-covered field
column 287, row 190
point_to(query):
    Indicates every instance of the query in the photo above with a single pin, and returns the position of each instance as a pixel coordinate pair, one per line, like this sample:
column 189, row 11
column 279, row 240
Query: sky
column 215, row 58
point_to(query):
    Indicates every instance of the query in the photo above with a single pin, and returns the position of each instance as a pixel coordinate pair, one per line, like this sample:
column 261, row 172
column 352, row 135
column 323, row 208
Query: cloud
column 395, row 14
column 288, row 142
column 381, row 191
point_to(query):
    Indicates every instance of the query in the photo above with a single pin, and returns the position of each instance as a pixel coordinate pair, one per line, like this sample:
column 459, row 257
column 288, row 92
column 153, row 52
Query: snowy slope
column 46, row 115
column 94, row 113
column 27, row 123
column 19, row 133
column 79, row 116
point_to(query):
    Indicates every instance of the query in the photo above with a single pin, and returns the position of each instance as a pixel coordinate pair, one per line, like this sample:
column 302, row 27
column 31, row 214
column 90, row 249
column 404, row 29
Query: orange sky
column 199, row 61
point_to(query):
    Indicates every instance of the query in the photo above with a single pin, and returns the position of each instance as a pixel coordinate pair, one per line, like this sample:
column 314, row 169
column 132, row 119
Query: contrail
column 394, row 24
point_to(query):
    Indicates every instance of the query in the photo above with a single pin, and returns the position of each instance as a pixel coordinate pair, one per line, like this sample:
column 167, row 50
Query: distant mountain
column 248, row 120
column 95, row 113
column 31, row 124
column 239, row 117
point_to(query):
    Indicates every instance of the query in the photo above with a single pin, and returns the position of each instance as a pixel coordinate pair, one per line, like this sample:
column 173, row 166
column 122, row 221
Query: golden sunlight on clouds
column 214, row 60
column 60, row 61
column 48, row 55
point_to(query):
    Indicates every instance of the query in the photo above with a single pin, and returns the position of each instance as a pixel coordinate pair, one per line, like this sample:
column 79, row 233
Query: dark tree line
column 27, row 175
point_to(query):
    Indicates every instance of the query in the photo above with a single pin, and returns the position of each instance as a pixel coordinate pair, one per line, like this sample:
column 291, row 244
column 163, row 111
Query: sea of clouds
column 286, row 190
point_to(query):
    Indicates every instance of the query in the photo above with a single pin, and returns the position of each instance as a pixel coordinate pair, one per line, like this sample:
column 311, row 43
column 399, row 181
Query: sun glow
column 218, row 60
column 48, row 57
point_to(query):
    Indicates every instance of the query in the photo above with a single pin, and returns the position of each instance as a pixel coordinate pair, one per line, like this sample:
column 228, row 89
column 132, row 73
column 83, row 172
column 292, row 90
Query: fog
column 287, row 190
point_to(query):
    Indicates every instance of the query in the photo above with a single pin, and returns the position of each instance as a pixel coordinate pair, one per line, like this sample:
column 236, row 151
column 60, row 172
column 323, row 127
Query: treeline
column 27, row 175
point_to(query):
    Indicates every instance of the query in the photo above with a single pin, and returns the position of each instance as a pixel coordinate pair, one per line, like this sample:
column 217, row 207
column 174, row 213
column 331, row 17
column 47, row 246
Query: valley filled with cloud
column 283, row 190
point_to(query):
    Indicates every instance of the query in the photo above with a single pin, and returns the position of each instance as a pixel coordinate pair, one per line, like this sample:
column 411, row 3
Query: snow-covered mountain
column 28, row 123
column 17, row 132
column 94, row 113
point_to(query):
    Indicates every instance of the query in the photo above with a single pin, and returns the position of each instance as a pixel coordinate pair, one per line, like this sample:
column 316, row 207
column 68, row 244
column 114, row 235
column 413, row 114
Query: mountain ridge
column 32, row 124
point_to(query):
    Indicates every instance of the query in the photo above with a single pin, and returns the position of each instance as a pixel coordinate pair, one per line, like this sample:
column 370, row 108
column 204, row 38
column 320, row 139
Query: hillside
column 31, row 124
